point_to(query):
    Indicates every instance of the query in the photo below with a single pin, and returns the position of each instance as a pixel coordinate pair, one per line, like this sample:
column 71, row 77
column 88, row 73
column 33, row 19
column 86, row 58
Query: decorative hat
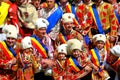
column 115, row 50
column 62, row 49
column 41, row 23
column 74, row 44
column 26, row 42
column 68, row 17
column 10, row 31
column 99, row 37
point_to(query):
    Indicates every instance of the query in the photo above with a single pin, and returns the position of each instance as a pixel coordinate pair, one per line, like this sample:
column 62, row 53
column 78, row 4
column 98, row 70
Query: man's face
column 50, row 3
column 77, row 1
column 98, row 1
column 63, row 1
column 86, row 1
column 19, row 2
column 36, row 3
column 41, row 32
column 10, row 41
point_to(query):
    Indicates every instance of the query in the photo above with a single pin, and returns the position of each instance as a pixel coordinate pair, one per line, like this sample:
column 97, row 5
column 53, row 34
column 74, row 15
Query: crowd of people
column 59, row 40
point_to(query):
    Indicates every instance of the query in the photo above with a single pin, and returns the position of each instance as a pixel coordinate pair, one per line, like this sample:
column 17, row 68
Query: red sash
column 39, row 47
column 7, row 53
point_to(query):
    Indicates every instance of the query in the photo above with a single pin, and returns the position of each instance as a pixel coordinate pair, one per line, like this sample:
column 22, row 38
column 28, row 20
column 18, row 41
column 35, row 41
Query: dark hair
column 13, row 1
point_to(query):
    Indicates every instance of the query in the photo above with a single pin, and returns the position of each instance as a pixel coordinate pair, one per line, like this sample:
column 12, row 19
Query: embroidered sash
column 117, row 15
column 74, row 64
column 7, row 50
column 59, row 64
column 71, row 9
column 63, row 38
column 95, row 57
column 53, row 19
column 37, row 43
column 96, row 18
column 3, row 12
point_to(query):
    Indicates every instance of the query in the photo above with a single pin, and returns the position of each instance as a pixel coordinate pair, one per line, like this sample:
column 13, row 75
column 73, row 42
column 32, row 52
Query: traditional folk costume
column 27, row 64
column 66, row 35
column 98, row 58
column 114, row 61
column 59, row 68
column 43, row 49
column 27, row 15
column 76, row 66
column 12, row 17
column 69, row 8
column 63, row 36
column 116, row 7
column 83, row 15
column 52, row 14
column 44, row 45
column 8, row 55
column 103, row 20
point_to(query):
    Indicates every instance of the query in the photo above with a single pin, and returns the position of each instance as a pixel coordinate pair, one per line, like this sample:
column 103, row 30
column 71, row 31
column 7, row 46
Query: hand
column 11, row 62
column 24, row 24
column 48, row 62
column 95, row 67
column 102, row 67
column 88, row 68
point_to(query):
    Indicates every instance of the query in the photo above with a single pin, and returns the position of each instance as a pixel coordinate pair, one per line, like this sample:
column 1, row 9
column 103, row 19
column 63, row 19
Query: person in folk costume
column 103, row 21
column 12, row 17
column 27, row 16
column 83, row 17
column 116, row 7
column 62, row 4
column 78, row 64
column 38, row 5
column 59, row 67
column 8, row 52
column 40, row 32
column 67, row 7
column 53, row 14
column 27, row 65
column 98, row 58
column 3, row 15
column 114, row 61
column 43, row 48
column 67, row 31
